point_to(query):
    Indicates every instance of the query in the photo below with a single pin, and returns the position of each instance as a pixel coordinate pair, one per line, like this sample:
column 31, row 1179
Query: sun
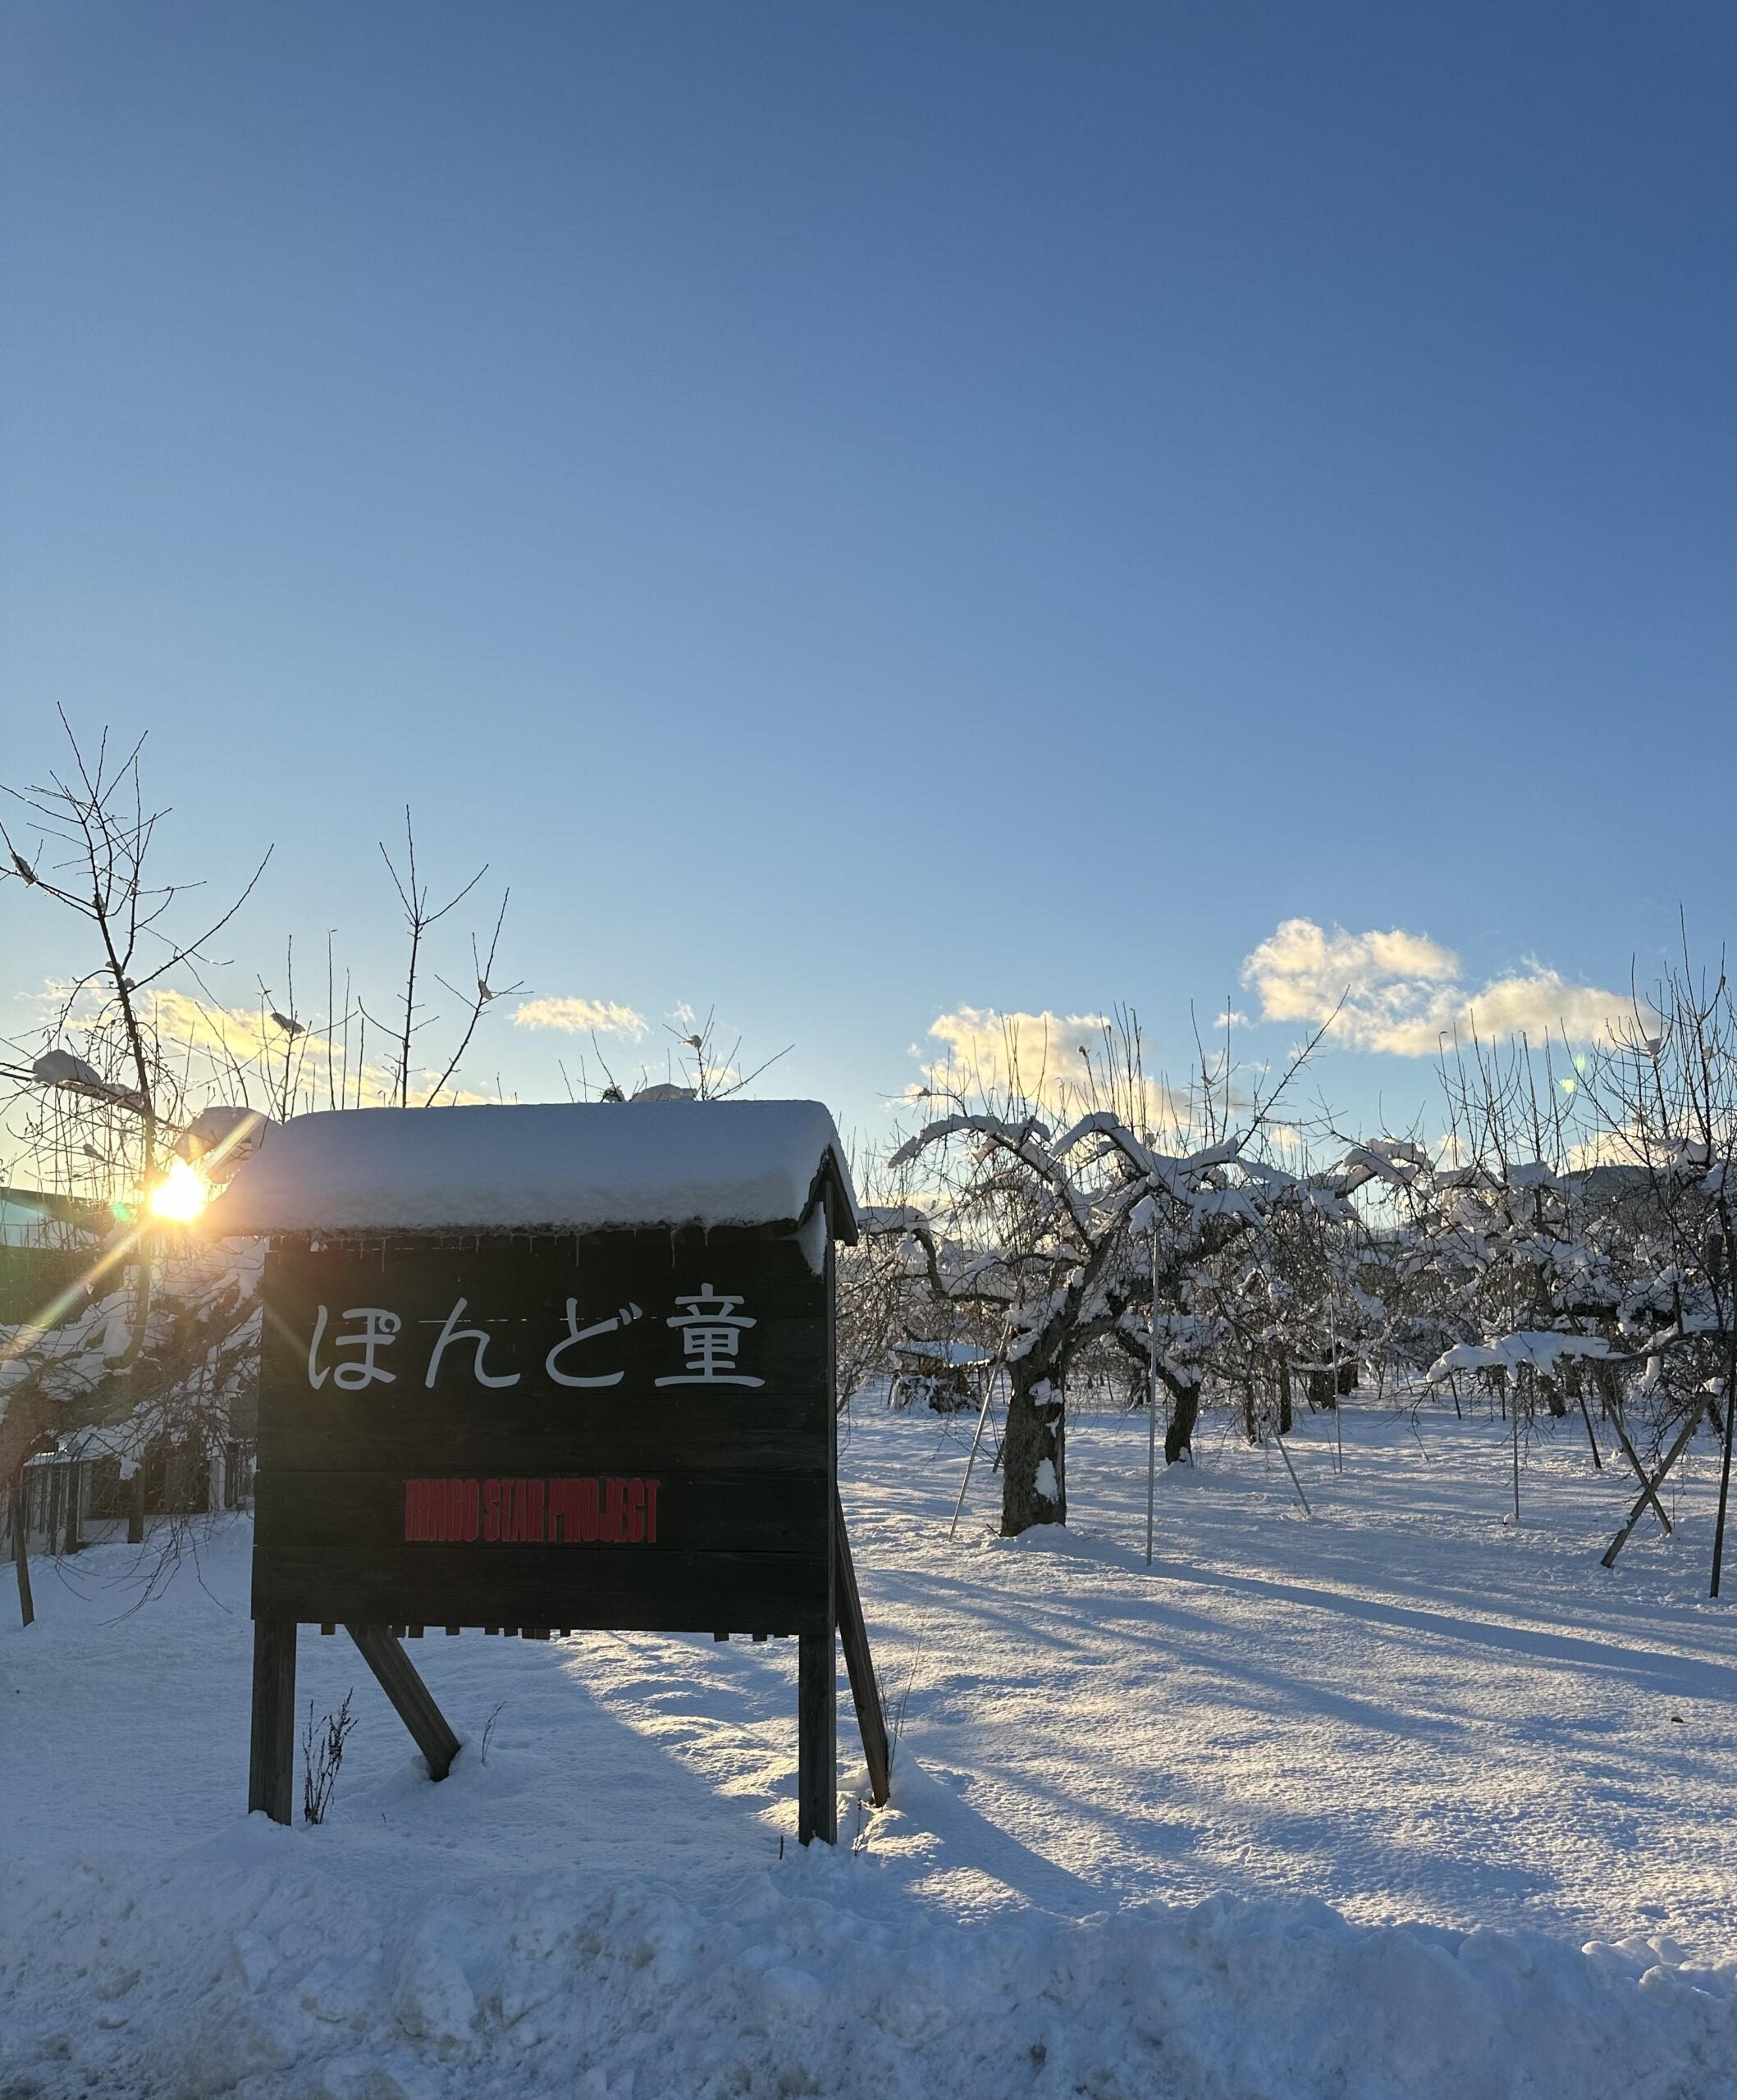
column 181, row 1194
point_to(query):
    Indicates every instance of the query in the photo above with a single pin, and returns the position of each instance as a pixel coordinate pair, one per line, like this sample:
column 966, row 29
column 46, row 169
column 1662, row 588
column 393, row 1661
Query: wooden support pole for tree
column 1580, row 1395
column 964, row 1485
column 1731, row 1407
column 1291, row 1470
column 22, row 1551
column 983, row 1416
column 817, row 1738
column 1640, row 1471
column 1152, row 1402
column 411, row 1699
column 1650, row 1488
column 271, row 1768
column 135, row 1508
column 865, row 1688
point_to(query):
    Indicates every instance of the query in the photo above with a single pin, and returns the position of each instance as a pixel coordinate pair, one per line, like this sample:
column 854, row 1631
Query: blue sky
column 860, row 514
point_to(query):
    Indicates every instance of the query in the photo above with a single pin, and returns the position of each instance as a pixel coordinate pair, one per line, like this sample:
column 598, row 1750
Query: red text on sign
column 611, row 1509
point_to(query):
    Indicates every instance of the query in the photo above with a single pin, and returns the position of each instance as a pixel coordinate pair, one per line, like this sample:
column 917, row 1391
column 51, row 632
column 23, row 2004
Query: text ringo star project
column 528, row 1368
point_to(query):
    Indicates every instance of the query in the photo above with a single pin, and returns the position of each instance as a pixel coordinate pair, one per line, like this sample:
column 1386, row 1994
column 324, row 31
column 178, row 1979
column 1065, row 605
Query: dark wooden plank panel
column 517, row 1293
column 484, row 1254
column 784, row 1354
column 745, row 1472
column 385, row 1427
column 622, row 1587
column 521, row 1301
column 359, row 1518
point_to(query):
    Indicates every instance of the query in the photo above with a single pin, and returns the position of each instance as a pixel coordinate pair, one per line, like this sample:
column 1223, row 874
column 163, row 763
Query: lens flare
column 181, row 1195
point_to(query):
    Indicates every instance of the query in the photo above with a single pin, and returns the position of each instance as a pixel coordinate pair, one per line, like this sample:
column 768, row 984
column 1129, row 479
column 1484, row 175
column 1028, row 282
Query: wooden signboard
column 626, row 1430
column 521, row 1432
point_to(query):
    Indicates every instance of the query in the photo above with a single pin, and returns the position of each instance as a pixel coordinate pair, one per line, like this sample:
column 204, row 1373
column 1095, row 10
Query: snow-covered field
column 1400, row 1799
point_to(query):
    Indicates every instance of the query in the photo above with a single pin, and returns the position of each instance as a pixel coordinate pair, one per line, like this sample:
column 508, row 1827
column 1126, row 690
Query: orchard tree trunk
column 22, row 1551
column 1179, row 1437
column 1034, row 1474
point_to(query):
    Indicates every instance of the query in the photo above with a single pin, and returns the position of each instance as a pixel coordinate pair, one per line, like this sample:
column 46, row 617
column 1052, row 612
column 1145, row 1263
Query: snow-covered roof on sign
column 585, row 1166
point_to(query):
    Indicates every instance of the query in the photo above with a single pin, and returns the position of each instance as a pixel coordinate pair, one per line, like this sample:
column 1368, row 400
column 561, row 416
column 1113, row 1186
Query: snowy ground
column 1124, row 1802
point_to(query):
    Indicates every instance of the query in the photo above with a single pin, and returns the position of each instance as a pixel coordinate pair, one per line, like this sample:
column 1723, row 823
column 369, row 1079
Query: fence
column 67, row 1504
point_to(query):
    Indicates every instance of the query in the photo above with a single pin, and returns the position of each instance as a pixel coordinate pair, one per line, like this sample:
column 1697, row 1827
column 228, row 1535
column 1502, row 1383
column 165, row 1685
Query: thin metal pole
column 983, row 1414
column 1515, row 1416
column 1291, row 1470
column 1730, row 1398
column 1152, row 1402
column 1333, row 1328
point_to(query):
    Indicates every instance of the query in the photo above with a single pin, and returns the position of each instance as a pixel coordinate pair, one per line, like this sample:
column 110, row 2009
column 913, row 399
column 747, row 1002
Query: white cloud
column 582, row 1017
column 238, row 1054
column 1039, row 1056
column 1403, row 992
column 1055, row 1063
column 242, row 1044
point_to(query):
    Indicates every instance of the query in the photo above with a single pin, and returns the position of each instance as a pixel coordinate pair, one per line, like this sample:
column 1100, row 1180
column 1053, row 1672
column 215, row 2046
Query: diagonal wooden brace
column 865, row 1689
column 409, row 1695
column 1649, row 1488
column 1647, row 1494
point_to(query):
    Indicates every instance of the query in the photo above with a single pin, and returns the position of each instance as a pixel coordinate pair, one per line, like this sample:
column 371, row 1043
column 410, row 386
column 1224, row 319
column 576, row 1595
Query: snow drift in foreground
column 244, row 1969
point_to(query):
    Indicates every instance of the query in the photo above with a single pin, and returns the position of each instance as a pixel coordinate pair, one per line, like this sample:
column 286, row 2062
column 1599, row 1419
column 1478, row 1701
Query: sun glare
column 181, row 1195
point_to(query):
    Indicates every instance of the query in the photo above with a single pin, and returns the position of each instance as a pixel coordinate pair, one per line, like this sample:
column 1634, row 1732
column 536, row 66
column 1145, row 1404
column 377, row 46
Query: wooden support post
column 21, row 1550
column 1591, row 1434
column 72, row 1543
column 816, row 1656
column 1649, row 1489
column 864, row 1687
column 1731, row 1406
column 409, row 1695
column 1635, row 1460
column 135, row 1508
column 270, row 1767
column 816, row 1738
